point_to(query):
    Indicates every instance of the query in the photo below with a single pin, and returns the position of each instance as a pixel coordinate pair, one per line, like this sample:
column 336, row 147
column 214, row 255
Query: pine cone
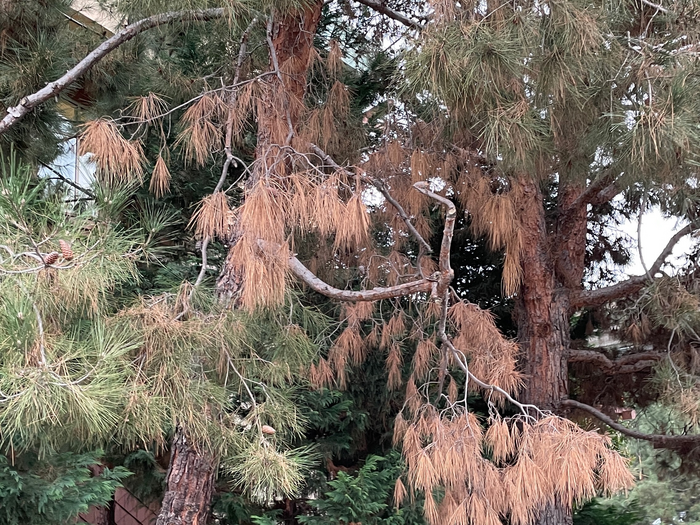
column 51, row 258
column 267, row 429
column 65, row 250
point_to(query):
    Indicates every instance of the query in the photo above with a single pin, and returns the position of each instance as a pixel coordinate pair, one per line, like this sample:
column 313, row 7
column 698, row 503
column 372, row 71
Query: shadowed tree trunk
column 190, row 483
column 543, row 307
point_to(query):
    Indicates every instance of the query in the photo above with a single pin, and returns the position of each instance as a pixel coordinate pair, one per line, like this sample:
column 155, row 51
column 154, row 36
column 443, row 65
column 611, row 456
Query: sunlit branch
column 601, row 296
column 375, row 294
column 52, row 89
column 658, row 440
column 655, row 6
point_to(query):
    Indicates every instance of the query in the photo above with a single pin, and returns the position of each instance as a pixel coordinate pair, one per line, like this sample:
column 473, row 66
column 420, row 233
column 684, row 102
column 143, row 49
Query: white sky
column 656, row 232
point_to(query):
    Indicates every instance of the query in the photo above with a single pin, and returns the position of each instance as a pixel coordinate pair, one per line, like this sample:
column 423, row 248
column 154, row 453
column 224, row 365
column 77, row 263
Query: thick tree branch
column 658, row 440
column 597, row 192
column 437, row 284
column 601, row 296
column 379, row 7
column 52, row 89
column 376, row 294
column 627, row 364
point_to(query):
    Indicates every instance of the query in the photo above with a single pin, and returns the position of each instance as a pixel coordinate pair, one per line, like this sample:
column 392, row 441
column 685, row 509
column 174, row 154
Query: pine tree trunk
column 543, row 325
column 190, row 483
column 542, row 309
column 555, row 514
column 292, row 39
column 190, row 480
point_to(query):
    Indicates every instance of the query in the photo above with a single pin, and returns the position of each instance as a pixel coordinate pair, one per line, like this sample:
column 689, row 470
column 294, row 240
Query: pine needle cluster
column 507, row 474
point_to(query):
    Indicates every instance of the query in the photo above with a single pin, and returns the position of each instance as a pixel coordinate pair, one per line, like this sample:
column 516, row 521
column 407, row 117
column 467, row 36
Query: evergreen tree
column 535, row 119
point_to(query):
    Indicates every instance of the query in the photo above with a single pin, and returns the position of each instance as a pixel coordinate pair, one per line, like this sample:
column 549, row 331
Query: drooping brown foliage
column 511, row 472
column 118, row 159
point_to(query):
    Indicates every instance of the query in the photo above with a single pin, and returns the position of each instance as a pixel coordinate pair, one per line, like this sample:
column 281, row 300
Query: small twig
column 276, row 65
column 642, row 207
column 68, row 181
column 40, row 326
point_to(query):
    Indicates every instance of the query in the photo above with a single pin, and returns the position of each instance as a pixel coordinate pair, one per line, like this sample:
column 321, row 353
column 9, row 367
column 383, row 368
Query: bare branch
column 376, row 294
column 658, row 7
column 447, row 273
column 379, row 7
column 658, row 440
column 68, row 181
column 627, row 364
column 601, row 296
column 52, row 89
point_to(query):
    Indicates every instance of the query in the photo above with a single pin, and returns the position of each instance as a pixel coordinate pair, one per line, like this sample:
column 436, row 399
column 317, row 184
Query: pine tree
column 522, row 115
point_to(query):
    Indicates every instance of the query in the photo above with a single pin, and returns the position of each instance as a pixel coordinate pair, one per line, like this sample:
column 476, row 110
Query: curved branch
column 601, row 296
column 16, row 113
column 375, row 294
column 446, row 271
column 658, row 440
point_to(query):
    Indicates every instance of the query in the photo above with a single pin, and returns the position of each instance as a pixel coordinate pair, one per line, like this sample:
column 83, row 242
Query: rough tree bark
column 542, row 308
column 552, row 265
column 190, row 483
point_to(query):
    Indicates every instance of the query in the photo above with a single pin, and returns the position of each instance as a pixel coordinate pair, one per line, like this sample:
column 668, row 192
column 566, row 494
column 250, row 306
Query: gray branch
column 632, row 285
column 658, row 440
column 52, row 89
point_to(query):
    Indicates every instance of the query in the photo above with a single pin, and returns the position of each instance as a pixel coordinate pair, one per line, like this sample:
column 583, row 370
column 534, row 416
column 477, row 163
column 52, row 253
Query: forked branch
column 622, row 289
